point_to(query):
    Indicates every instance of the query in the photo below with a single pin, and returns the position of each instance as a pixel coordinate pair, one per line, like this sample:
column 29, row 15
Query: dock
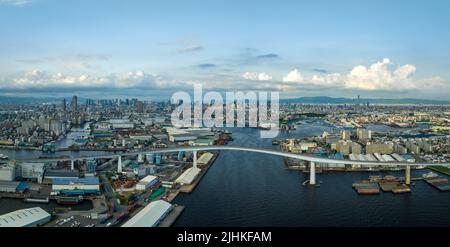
column 439, row 183
column 172, row 216
column 190, row 187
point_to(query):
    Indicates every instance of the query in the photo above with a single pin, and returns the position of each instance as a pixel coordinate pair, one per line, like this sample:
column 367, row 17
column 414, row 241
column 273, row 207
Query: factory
column 78, row 186
column 151, row 215
column 29, row 217
column 147, row 182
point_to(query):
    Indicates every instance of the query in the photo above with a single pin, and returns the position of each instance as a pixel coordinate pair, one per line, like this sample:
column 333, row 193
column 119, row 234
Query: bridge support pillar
column 119, row 164
column 312, row 173
column 408, row 175
column 72, row 165
column 194, row 159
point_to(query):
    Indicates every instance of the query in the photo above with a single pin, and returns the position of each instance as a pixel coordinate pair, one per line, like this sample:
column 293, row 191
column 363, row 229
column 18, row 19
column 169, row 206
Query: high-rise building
column 345, row 135
column 363, row 134
column 139, row 107
column 74, row 103
column 64, row 104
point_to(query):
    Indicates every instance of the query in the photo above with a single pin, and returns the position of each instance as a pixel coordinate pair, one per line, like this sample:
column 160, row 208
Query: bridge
column 310, row 158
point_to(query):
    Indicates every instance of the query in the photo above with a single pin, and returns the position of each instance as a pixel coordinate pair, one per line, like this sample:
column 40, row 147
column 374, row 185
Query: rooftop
column 23, row 217
column 150, row 215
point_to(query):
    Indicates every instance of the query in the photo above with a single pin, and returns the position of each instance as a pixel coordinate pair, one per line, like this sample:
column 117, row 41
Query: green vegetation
column 441, row 169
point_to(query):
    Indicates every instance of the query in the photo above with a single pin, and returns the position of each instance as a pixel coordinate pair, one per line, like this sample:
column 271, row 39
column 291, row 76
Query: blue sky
column 393, row 49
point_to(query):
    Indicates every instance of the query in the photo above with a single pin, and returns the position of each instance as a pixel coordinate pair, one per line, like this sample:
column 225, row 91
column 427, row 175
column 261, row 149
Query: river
column 248, row 189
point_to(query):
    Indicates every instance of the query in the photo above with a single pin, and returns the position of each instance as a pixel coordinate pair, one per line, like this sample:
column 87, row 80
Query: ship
column 430, row 175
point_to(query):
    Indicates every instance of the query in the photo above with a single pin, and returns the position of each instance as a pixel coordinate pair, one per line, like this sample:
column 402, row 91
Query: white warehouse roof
column 25, row 217
column 148, row 179
column 188, row 176
column 151, row 215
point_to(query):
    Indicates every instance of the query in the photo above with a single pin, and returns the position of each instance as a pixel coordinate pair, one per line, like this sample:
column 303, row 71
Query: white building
column 7, row 172
column 146, row 182
column 25, row 218
column 188, row 176
column 31, row 170
column 151, row 215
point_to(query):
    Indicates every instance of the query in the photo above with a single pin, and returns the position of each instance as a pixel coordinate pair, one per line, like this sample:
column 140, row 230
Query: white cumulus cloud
column 327, row 80
column 257, row 76
column 294, row 76
column 380, row 77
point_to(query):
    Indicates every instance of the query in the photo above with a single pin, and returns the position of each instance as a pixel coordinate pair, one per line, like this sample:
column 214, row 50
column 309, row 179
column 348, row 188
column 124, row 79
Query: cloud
column 18, row 3
column 323, row 71
column 206, row 65
column 294, row 76
column 41, row 79
column 327, row 80
column 380, row 77
column 270, row 55
column 71, row 61
column 191, row 48
column 256, row 76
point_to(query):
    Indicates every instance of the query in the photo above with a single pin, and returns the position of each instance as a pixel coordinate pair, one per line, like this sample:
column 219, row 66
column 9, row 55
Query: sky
column 101, row 48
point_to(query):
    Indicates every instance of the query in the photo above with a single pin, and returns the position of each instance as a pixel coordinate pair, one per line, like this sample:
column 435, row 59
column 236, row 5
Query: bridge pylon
column 408, row 175
column 312, row 173
column 194, row 159
column 119, row 164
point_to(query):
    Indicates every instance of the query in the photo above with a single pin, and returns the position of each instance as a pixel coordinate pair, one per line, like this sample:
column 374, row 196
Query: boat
column 3, row 157
column 275, row 142
column 430, row 175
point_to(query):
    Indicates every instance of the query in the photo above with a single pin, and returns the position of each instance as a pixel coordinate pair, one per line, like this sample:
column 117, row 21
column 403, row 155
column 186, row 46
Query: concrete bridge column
column 312, row 173
column 408, row 175
column 119, row 164
column 72, row 165
column 194, row 159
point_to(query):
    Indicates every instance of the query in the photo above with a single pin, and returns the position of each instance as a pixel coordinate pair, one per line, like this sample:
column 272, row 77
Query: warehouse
column 7, row 172
column 147, row 182
column 151, row 215
column 79, row 186
column 9, row 186
column 29, row 217
column 60, row 174
column 188, row 176
column 204, row 159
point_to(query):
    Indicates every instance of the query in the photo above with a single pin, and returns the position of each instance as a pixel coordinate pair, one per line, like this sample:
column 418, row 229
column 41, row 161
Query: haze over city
column 149, row 49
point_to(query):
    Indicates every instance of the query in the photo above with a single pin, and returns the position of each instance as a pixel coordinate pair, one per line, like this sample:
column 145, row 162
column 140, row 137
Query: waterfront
column 246, row 189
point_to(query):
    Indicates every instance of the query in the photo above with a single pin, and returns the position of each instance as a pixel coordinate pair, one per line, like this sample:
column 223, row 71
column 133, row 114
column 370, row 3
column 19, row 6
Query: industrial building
column 188, row 176
column 33, row 171
column 7, row 172
column 189, row 134
column 147, row 182
column 151, row 215
column 50, row 175
column 13, row 187
column 204, row 159
column 29, row 217
column 78, row 186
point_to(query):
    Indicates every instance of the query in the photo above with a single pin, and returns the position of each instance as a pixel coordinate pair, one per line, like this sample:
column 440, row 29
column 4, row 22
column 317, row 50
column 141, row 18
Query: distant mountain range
column 301, row 100
column 330, row 100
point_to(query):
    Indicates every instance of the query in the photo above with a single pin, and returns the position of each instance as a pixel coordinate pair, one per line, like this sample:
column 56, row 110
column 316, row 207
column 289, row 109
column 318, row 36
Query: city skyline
column 393, row 50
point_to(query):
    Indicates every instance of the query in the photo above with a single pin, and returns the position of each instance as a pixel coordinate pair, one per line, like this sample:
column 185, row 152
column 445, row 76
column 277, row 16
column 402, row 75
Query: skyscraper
column 64, row 104
column 73, row 103
column 139, row 107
